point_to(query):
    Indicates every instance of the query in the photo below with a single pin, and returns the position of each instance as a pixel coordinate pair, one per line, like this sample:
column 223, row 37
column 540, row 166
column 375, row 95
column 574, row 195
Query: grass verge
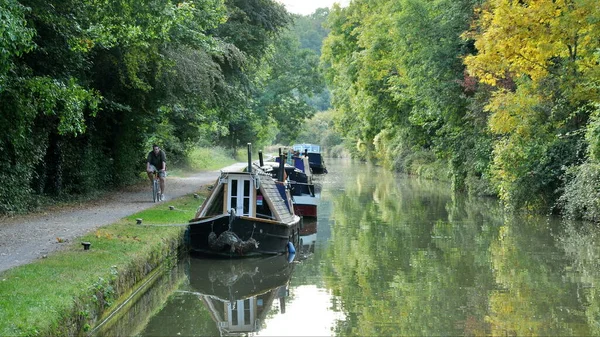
column 70, row 291
column 204, row 159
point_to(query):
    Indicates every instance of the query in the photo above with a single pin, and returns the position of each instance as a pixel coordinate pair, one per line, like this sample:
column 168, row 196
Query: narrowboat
column 315, row 158
column 246, row 214
column 299, row 177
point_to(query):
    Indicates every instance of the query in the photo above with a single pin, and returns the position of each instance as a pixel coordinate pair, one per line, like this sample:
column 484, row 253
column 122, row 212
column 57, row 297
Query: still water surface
column 389, row 256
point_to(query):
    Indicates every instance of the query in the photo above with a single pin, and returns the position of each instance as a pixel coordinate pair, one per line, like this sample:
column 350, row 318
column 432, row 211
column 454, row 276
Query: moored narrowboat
column 246, row 214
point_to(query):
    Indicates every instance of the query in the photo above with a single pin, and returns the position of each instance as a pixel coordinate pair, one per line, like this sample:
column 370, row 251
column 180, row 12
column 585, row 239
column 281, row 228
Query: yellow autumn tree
column 542, row 57
column 530, row 37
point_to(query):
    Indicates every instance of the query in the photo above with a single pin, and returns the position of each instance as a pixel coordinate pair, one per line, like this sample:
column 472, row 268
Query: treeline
column 87, row 86
column 501, row 97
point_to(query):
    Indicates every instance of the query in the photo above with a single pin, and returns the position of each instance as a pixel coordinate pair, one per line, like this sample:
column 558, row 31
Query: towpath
column 26, row 238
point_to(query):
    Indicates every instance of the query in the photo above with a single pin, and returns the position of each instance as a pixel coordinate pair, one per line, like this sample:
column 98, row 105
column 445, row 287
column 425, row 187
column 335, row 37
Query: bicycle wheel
column 155, row 191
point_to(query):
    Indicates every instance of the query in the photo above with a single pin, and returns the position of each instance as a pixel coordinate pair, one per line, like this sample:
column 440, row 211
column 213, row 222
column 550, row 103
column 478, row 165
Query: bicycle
column 156, row 192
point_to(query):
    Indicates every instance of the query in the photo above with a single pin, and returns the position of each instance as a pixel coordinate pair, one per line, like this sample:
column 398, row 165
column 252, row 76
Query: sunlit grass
column 41, row 297
column 208, row 159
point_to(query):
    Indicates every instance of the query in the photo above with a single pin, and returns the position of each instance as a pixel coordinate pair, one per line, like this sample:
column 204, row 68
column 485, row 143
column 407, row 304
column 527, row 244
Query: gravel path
column 26, row 238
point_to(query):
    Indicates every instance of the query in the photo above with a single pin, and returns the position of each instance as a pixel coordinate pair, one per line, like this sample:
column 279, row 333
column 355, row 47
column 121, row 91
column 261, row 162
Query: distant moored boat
column 315, row 158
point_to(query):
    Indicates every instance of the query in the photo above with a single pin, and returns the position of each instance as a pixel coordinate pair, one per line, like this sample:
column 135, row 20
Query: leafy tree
column 15, row 37
column 396, row 72
column 293, row 76
column 85, row 99
column 310, row 29
column 320, row 129
column 546, row 49
column 251, row 28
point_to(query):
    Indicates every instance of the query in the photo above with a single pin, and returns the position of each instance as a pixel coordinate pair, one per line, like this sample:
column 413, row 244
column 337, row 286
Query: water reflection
column 308, row 237
column 409, row 258
column 240, row 293
column 398, row 256
column 144, row 303
column 224, row 297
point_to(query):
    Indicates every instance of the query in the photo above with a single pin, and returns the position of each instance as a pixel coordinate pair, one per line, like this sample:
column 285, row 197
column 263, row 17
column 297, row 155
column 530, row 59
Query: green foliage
column 310, row 29
column 506, row 121
column 320, row 129
column 211, row 158
column 15, row 37
column 536, row 56
column 292, row 78
column 87, row 86
column 580, row 199
column 395, row 70
column 592, row 136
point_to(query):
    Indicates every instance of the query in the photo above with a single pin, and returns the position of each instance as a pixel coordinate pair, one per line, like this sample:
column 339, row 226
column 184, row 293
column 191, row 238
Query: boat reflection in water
column 240, row 293
column 308, row 236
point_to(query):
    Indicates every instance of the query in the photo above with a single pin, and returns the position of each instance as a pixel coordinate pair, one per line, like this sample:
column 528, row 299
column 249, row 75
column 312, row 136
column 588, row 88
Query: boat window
column 246, row 206
column 240, row 196
column 234, row 185
column 247, row 308
column 247, row 197
column 262, row 208
column 234, row 193
column 234, row 314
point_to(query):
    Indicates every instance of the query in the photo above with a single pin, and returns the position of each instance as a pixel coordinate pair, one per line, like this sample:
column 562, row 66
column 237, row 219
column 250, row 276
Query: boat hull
column 316, row 163
column 237, row 236
column 306, row 210
column 305, row 206
column 318, row 169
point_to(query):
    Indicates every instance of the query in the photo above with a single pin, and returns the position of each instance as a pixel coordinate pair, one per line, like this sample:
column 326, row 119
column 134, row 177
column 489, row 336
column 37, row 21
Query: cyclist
column 157, row 162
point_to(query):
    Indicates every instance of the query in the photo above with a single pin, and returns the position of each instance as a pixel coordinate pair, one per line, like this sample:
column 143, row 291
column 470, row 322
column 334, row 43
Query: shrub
column 581, row 198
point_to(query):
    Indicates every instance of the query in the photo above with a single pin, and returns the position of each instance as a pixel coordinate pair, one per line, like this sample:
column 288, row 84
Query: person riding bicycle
column 157, row 162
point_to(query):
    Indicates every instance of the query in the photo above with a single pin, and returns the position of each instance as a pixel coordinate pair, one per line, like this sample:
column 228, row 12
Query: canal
column 388, row 255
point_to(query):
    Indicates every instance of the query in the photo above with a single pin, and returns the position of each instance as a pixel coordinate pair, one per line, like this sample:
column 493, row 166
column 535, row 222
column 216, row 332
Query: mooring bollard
column 171, row 207
column 138, row 221
column 86, row 245
column 195, row 196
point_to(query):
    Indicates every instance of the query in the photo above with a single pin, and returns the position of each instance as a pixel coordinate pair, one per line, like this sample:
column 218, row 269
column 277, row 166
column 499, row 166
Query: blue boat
column 315, row 158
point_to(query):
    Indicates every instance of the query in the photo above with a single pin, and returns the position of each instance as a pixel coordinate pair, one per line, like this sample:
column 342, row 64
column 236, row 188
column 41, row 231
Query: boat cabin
column 253, row 195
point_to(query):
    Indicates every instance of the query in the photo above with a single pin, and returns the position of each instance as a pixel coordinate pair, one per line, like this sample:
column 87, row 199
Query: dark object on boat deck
column 249, row 157
column 281, row 168
column 260, row 158
column 231, row 239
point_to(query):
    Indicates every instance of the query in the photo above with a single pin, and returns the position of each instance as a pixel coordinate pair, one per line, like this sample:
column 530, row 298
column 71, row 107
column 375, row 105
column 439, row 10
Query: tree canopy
column 87, row 86
column 502, row 94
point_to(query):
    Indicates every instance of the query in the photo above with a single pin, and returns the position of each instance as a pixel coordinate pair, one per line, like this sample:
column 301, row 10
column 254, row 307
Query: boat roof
column 269, row 190
column 308, row 147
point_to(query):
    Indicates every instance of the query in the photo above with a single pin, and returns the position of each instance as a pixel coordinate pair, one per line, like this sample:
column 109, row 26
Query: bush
column 581, row 199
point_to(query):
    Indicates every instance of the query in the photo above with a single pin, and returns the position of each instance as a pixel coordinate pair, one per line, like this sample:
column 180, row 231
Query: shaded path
column 26, row 238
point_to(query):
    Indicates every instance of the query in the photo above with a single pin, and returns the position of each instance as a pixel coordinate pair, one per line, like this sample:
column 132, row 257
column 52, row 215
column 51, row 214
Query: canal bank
column 70, row 290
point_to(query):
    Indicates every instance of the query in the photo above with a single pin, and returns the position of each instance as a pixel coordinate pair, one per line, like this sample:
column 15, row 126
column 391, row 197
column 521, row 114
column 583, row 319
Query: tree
column 547, row 49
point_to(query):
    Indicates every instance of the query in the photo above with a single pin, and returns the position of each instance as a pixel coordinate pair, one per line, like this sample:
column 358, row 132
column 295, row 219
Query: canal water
column 389, row 255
